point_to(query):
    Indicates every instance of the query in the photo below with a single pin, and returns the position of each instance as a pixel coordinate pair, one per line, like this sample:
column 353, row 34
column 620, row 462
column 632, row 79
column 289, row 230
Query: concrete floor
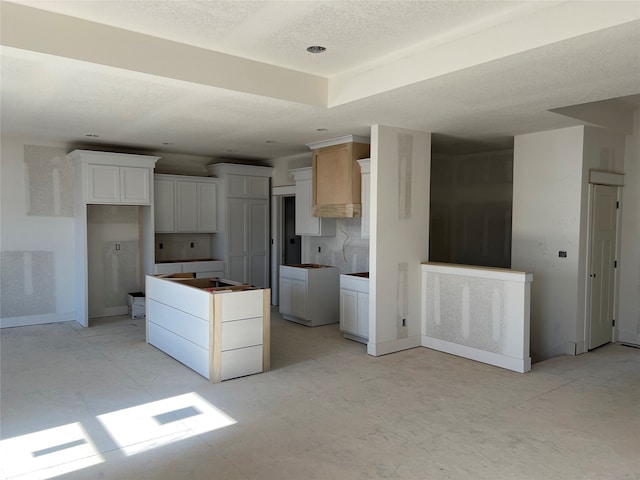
column 326, row 411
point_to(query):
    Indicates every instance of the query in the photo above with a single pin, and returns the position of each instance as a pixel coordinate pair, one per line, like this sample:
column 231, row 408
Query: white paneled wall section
column 477, row 313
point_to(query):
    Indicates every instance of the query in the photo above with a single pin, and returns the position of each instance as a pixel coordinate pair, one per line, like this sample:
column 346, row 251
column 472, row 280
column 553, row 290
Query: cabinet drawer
column 212, row 274
column 241, row 362
column 193, row 356
column 192, row 328
column 293, row 272
column 240, row 307
column 168, row 268
column 354, row 283
column 203, row 266
column 242, row 333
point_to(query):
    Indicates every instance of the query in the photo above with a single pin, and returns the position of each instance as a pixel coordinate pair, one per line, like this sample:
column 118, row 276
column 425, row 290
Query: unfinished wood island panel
column 218, row 328
column 336, row 177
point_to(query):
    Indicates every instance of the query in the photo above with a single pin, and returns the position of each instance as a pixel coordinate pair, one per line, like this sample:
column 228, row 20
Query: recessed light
column 92, row 135
column 270, row 141
column 167, row 143
column 316, row 49
column 322, row 129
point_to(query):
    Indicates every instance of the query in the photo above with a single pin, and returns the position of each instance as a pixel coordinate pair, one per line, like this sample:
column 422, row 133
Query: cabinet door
column 238, row 239
column 349, row 311
column 286, row 296
column 258, row 242
column 305, row 223
column 236, row 186
column 363, row 315
column 103, row 184
column 247, row 186
column 258, row 187
column 299, row 298
column 164, row 209
column 332, row 170
column 134, row 185
column 207, row 204
column 187, row 206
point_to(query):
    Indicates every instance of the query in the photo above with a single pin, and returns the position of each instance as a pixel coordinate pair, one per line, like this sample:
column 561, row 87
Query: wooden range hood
column 336, row 176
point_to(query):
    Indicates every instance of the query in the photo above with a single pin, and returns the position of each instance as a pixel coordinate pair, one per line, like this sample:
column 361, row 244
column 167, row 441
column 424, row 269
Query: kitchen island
column 218, row 328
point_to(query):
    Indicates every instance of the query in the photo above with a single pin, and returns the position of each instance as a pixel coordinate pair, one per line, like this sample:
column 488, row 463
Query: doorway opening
column 292, row 242
column 286, row 246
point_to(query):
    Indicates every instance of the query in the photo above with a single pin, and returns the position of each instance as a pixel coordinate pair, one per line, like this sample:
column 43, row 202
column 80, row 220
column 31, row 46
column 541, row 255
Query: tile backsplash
column 347, row 250
column 177, row 246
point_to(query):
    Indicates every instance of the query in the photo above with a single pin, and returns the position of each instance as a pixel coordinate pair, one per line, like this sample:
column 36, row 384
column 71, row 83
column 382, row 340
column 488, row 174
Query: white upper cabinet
column 116, row 184
column 207, row 205
column 185, row 204
column 306, row 223
column 135, row 185
column 165, row 205
column 247, row 186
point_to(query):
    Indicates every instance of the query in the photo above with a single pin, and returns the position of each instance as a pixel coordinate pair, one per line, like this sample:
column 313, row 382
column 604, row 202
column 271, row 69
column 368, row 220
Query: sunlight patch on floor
column 48, row 453
column 144, row 427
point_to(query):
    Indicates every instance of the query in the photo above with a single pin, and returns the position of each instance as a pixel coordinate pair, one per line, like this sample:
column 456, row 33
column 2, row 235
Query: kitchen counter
column 216, row 327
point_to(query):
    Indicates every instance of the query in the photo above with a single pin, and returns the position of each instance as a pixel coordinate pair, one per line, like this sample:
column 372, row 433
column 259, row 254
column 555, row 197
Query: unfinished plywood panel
column 49, row 181
column 114, row 257
column 336, row 180
column 28, row 283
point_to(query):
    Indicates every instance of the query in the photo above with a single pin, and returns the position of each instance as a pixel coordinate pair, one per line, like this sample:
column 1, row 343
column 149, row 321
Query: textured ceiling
column 60, row 92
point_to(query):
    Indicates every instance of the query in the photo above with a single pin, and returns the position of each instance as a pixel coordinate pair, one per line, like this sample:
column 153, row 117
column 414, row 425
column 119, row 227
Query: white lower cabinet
column 309, row 295
column 354, row 307
column 202, row 269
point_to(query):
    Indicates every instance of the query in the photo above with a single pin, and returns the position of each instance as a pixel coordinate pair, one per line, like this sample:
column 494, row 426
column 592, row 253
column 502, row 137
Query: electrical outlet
column 117, row 246
column 562, row 254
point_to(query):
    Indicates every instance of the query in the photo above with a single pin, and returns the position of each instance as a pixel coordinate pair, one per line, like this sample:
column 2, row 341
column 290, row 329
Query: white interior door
column 602, row 269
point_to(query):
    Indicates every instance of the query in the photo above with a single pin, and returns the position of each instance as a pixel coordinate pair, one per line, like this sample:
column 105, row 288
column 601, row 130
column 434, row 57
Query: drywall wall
column 628, row 318
column 547, row 177
column 178, row 246
column 400, row 171
column 603, row 150
column 347, row 250
column 550, row 215
column 281, row 167
column 37, row 258
column 470, row 208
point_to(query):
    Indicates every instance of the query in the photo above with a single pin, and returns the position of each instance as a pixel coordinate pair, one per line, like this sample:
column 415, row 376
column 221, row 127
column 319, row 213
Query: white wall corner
column 392, row 346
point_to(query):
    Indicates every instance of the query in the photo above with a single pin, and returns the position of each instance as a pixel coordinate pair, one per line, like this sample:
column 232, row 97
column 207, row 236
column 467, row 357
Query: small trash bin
column 136, row 304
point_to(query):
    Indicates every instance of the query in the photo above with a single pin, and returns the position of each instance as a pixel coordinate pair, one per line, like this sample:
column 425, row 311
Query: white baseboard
column 496, row 359
column 9, row 322
column 391, row 346
column 629, row 337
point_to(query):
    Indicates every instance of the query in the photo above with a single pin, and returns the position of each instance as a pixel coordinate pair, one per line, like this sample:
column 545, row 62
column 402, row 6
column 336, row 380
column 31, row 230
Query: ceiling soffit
column 518, row 32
